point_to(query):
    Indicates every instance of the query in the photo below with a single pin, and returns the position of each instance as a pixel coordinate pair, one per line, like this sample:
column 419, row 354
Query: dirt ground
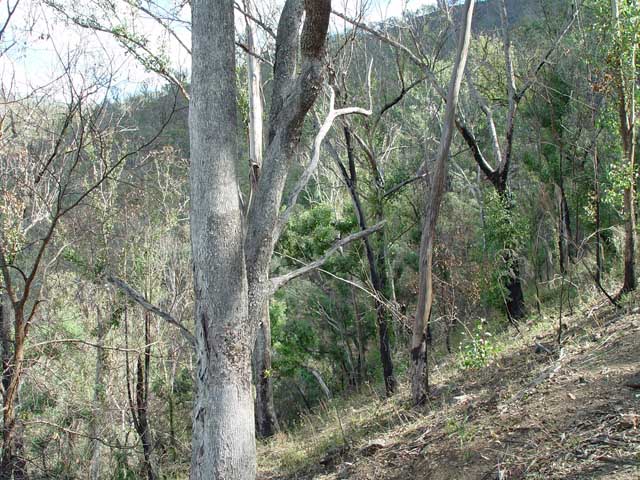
column 537, row 411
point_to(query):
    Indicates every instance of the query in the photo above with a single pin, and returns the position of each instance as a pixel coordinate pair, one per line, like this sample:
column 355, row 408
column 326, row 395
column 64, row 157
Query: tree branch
column 140, row 300
column 280, row 281
column 315, row 156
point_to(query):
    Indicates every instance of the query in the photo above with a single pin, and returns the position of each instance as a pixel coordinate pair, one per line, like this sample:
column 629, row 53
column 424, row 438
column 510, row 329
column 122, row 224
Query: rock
column 372, row 447
column 633, row 382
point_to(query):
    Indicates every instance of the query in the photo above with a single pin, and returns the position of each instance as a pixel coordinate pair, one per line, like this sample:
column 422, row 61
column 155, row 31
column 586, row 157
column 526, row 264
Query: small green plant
column 479, row 348
column 461, row 429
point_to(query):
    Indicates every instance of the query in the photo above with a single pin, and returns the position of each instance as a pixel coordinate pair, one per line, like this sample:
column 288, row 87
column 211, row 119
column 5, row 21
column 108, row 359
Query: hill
column 534, row 411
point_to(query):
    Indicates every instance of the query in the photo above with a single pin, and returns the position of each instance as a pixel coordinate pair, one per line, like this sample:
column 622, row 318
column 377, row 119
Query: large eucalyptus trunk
column 223, row 439
column 433, row 199
column 231, row 262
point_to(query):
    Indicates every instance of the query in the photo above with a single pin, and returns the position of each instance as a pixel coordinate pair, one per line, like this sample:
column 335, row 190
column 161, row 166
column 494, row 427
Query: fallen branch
column 547, row 373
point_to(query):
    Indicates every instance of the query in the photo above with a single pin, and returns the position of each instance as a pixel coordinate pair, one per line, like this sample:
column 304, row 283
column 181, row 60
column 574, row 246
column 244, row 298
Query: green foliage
column 505, row 234
column 71, row 324
column 122, row 471
column 477, row 348
column 310, row 233
column 294, row 340
column 36, row 402
column 619, row 177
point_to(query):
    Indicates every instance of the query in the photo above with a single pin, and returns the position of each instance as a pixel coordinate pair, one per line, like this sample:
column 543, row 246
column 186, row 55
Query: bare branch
column 315, row 156
column 406, row 182
column 280, row 281
column 140, row 300
column 531, row 76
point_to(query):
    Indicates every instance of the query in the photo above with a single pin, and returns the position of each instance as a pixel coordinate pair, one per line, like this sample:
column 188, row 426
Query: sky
column 43, row 43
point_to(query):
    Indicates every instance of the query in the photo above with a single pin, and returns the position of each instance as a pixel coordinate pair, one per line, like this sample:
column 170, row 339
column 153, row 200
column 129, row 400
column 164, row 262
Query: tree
column 231, row 261
column 435, row 188
column 625, row 73
column 265, row 414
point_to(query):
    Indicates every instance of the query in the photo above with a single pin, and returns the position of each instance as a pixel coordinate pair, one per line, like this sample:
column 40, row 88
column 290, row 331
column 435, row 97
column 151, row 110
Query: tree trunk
column 596, row 199
column 564, row 229
column 254, row 82
column 231, row 261
column 98, row 398
column 223, row 438
column 377, row 277
column 433, row 199
column 385, row 348
column 266, row 419
column 630, row 283
column 360, row 339
column 514, row 302
column 142, row 401
column 626, row 88
column 12, row 376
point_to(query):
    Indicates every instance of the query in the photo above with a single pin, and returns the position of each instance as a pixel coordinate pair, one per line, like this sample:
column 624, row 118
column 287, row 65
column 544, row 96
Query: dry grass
column 525, row 415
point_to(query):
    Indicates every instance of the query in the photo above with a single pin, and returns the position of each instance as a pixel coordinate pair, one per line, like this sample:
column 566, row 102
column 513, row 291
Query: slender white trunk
column 433, row 199
column 254, row 81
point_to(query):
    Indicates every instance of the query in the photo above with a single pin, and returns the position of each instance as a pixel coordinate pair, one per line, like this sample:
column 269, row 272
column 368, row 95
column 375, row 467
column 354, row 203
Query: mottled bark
column 265, row 413
column 223, row 439
column 231, row 261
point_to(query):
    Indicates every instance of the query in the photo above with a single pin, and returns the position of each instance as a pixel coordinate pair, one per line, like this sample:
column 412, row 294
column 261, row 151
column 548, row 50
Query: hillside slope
column 535, row 411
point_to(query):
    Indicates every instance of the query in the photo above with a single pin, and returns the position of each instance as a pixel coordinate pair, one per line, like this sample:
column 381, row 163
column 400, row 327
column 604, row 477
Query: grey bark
column 265, row 413
column 231, row 262
column 223, row 438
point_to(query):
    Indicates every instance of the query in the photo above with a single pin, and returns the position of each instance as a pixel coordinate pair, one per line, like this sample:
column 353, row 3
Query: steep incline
column 535, row 411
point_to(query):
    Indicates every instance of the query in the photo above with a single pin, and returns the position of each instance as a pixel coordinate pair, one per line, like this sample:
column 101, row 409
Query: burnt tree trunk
column 266, row 419
column 377, row 277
